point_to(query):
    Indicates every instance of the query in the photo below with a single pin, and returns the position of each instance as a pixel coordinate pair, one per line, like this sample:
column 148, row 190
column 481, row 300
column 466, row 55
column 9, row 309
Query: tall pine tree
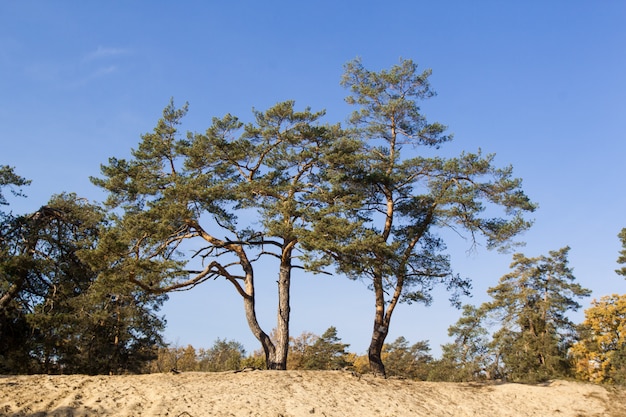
column 532, row 303
column 405, row 197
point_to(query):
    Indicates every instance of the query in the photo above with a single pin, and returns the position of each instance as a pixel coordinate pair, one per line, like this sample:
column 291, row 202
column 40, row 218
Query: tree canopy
column 531, row 303
column 600, row 354
column 9, row 179
column 263, row 184
column 622, row 254
column 405, row 197
column 468, row 357
column 57, row 314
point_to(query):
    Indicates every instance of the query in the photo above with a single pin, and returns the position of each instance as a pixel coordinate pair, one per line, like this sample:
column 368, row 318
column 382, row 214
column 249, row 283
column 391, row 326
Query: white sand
column 295, row 393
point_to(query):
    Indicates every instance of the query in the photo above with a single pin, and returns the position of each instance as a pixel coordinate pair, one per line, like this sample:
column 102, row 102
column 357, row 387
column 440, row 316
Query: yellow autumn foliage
column 603, row 336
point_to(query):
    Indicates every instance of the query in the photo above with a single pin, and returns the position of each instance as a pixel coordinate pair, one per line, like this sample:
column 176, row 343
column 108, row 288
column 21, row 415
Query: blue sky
column 542, row 84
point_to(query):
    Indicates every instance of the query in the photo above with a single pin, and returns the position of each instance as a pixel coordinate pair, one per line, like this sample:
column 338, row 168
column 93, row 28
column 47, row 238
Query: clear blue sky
column 542, row 84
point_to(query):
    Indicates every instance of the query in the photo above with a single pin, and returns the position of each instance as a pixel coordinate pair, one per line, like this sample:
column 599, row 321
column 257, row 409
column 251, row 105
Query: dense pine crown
column 532, row 303
column 58, row 312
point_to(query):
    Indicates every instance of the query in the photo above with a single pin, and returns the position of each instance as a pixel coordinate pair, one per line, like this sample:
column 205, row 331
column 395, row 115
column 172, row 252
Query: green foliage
column 256, row 360
column 622, row 254
column 312, row 352
column 8, row 178
column 300, row 350
column 286, row 185
column 123, row 328
column 531, row 303
column 617, row 373
column 57, row 314
column 222, row 356
column 179, row 359
column 178, row 193
column 402, row 360
column 468, row 358
column 327, row 352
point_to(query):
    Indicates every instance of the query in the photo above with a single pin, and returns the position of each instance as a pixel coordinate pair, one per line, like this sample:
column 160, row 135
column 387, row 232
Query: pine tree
column 9, row 179
column 404, row 197
column 300, row 349
column 327, row 352
column 531, row 303
column 13, row 327
column 407, row 361
column 73, row 321
column 622, row 254
column 468, row 357
column 263, row 185
column 224, row 355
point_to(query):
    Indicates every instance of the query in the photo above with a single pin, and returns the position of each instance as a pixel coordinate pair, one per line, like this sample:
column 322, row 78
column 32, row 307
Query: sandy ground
column 295, row 393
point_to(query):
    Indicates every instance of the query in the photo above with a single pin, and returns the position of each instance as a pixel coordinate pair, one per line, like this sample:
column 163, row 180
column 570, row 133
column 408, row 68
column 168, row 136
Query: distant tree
column 407, row 361
column 405, row 197
column 468, row 357
column 263, row 185
column 187, row 359
column 300, row 349
column 531, row 303
column 360, row 363
column 600, row 354
column 224, row 355
column 622, row 254
column 255, row 360
column 327, row 352
column 165, row 360
column 175, row 358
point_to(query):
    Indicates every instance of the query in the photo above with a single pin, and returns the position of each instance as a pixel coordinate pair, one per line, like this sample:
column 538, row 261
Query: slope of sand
column 295, row 393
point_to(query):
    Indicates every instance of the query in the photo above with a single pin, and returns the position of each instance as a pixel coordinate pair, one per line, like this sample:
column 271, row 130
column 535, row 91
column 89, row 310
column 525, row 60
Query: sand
column 295, row 393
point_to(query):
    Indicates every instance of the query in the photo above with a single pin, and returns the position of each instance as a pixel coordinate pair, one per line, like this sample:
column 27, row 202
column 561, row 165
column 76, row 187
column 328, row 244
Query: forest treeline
column 477, row 352
column 81, row 283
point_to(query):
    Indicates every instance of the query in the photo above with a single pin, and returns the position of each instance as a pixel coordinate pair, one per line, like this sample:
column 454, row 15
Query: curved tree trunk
column 374, row 352
column 249, row 303
column 269, row 349
column 380, row 331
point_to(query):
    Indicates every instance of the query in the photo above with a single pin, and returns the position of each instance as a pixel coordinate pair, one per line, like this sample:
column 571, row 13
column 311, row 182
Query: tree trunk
column 374, row 352
column 249, row 305
column 381, row 328
column 275, row 351
column 282, row 325
column 268, row 347
column 249, row 300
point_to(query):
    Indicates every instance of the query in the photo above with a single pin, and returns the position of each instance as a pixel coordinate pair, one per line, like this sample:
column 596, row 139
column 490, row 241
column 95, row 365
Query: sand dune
column 295, row 393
